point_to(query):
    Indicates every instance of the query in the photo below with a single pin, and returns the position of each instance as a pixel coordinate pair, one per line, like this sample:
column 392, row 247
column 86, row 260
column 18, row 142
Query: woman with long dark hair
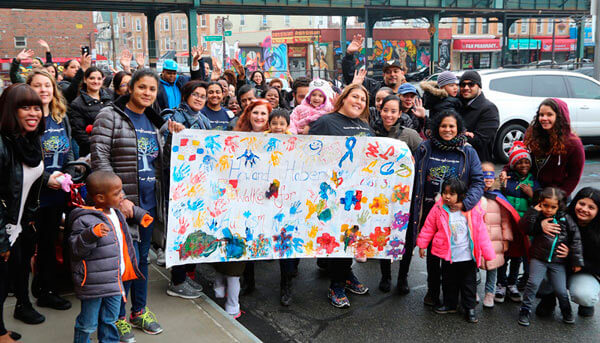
column 21, row 127
column 84, row 109
column 444, row 155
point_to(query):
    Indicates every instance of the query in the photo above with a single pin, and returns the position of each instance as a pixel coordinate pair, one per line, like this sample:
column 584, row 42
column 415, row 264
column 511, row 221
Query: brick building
column 64, row 31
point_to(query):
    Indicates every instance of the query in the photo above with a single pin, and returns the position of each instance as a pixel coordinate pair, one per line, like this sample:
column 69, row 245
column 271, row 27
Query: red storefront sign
column 476, row 45
column 296, row 51
column 559, row 45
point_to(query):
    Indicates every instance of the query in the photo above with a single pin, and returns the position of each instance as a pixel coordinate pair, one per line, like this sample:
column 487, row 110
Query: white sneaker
column 160, row 258
column 500, row 294
column 488, row 300
column 514, row 294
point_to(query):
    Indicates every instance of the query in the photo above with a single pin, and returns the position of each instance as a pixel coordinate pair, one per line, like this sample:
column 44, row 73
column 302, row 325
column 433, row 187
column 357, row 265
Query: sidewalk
column 198, row 320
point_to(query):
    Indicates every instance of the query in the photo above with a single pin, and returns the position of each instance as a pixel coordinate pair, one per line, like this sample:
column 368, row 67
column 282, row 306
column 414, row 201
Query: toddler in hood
column 316, row 104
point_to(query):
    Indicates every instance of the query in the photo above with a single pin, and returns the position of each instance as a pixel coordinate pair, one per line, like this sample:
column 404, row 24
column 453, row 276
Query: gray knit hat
column 446, row 78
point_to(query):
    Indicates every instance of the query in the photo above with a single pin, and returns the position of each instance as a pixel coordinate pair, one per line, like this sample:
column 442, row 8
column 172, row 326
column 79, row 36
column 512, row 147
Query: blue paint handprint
column 211, row 144
column 196, row 205
column 208, row 163
column 294, row 208
column 181, row 172
column 272, row 144
column 249, row 157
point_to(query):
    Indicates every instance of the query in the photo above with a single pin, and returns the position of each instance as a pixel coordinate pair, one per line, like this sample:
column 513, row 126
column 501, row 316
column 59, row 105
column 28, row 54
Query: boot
column 403, row 288
column 286, row 289
column 586, row 311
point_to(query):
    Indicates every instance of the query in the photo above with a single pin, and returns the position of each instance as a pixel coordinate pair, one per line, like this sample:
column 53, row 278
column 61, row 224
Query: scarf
column 454, row 144
column 27, row 150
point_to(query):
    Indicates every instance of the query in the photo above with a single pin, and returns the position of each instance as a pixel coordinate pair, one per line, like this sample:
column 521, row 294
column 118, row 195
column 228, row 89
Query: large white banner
column 247, row 196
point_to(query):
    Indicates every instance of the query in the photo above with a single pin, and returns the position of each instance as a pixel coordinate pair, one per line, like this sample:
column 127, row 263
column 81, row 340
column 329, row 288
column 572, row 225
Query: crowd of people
column 464, row 216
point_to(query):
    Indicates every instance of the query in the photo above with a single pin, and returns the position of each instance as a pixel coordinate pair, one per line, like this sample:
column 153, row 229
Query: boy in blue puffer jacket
column 103, row 256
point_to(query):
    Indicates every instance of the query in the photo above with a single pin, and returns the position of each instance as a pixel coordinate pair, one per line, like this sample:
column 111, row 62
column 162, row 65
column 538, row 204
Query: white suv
column 518, row 93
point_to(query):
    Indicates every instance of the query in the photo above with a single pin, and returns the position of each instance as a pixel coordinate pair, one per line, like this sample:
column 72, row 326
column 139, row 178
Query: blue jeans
column 101, row 314
column 139, row 287
column 557, row 275
column 490, row 280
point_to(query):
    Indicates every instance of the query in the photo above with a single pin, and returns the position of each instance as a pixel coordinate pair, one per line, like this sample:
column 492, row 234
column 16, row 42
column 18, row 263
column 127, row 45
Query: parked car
column 518, row 93
column 422, row 74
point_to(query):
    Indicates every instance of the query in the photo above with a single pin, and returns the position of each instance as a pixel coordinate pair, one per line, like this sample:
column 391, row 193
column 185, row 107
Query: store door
column 297, row 66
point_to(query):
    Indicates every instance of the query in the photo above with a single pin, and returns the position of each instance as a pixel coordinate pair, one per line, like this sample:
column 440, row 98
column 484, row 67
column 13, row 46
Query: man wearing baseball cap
column 413, row 112
column 393, row 71
column 479, row 114
column 169, row 88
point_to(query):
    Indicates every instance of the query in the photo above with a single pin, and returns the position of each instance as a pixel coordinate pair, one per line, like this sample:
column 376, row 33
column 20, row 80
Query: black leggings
column 47, row 223
column 15, row 271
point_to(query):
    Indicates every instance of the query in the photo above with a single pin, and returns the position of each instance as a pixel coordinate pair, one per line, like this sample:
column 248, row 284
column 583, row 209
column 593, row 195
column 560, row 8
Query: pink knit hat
column 518, row 152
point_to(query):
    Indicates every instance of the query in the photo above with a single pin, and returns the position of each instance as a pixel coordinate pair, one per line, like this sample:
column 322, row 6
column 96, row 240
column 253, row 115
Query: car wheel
column 505, row 139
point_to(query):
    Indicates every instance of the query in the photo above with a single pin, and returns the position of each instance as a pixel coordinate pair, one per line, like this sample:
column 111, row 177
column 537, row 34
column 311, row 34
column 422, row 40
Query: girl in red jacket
column 459, row 239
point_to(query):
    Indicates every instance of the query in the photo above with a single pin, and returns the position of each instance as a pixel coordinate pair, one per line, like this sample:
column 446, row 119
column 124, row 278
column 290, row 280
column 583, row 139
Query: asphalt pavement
column 388, row 317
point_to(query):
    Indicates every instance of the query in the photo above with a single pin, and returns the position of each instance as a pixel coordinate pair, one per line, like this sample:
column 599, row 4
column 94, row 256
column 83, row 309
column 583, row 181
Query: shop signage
column 297, row 51
column 295, row 36
column 523, row 44
column 559, row 45
column 476, row 44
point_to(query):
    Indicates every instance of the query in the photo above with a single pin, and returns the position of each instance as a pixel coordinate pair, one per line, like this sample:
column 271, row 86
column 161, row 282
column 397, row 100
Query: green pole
column 193, row 28
column 580, row 38
column 152, row 52
column 434, row 40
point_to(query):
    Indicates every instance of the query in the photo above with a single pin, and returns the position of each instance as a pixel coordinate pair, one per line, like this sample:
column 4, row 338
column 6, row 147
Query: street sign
column 227, row 33
column 213, row 38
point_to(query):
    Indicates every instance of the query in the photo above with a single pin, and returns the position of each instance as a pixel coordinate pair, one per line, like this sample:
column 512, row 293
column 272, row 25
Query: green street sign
column 227, row 33
column 213, row 38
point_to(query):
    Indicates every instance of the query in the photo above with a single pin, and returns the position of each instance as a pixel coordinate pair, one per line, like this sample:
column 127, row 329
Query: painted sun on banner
column 251, row 196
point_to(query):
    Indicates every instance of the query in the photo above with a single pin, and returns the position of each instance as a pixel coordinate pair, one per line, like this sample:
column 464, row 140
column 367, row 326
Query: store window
column 513, row 28
column 538, row 26
column 460, row 26
column 550, row 25
column 485, row 27
column 524, row 26
column 472, row 26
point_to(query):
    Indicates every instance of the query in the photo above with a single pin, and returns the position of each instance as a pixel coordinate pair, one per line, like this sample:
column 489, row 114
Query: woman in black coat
column 21, row 169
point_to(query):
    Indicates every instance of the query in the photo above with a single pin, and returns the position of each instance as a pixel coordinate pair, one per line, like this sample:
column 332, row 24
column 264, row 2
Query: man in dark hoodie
column 479, row 114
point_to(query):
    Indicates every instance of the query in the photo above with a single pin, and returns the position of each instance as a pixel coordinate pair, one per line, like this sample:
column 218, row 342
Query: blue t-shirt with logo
column 147, row 150
column 219, row 120
column 55, row 145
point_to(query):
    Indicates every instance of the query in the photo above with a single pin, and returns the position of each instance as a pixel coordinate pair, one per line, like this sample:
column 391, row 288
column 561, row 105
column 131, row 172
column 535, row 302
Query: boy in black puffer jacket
column 103, row 256
column 543, row 254
column 441, row 95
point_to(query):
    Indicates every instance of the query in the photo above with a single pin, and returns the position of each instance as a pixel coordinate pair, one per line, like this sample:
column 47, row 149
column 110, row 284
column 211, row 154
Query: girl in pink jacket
column 459, row 239
column 316, row 104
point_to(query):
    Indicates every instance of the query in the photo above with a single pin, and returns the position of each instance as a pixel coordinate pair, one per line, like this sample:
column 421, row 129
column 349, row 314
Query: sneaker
column 585, row 311
column 28, row 315
column 147, row 322
column 488, row 300
column 237, row 315
column 354, row 286
column 514, row 294
column 500, row 294
column 193, row 284
column 160, row 258
column 385, row 285
column 53, row 301
column 125, row 333
column 338, row 297
column 471, row 316
column 183, row 290
column 524, row 317
column 444, row 310
column 568, row 318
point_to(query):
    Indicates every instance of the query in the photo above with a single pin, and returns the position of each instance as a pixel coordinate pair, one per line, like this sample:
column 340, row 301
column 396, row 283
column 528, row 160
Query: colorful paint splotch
column 231, row 200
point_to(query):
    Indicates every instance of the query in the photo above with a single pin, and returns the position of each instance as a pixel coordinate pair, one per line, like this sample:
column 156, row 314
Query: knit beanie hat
column 517, row 152
column 472, row 76
column 446, row 78
column 322, row 86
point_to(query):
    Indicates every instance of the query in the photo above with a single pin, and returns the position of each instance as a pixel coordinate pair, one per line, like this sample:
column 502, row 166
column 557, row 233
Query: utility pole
column 596, row 14
column 112, row 41
column 553, row 40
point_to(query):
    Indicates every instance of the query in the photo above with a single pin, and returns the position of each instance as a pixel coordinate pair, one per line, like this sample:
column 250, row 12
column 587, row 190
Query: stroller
column 80, row 169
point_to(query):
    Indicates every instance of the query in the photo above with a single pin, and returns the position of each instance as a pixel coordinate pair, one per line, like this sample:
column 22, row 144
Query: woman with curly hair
column 556, row 152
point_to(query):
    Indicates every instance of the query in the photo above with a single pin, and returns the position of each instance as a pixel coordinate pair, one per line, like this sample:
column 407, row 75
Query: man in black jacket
column 479, row 114
column 393, row 75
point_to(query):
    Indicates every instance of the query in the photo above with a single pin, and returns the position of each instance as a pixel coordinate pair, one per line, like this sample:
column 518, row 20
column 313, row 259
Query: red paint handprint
column 183, row 226
column 230, row 145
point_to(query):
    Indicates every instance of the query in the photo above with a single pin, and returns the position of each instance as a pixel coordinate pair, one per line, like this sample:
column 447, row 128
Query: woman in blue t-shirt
column 218, row 115
column 53, row 200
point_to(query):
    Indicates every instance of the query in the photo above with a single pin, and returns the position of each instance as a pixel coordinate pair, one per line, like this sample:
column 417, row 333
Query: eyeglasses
column 198, row 96
column 467, row 84
column 123, row 85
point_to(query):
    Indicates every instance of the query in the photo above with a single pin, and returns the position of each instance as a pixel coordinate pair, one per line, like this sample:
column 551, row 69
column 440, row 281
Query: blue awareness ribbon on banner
column 350, row 144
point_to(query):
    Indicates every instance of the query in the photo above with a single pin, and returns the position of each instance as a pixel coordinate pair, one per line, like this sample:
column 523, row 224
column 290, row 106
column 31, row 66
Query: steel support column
column 369, row 23
column 343, row 39
column 580, row 39
column 152, row 49
column 506, row 24
column 192, row 15
column 434, row 35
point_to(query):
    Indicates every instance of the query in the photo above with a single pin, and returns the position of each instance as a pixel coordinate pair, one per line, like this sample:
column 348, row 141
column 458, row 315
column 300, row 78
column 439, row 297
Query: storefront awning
column 524, row 44
column 473, row 45
column 559, row 45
